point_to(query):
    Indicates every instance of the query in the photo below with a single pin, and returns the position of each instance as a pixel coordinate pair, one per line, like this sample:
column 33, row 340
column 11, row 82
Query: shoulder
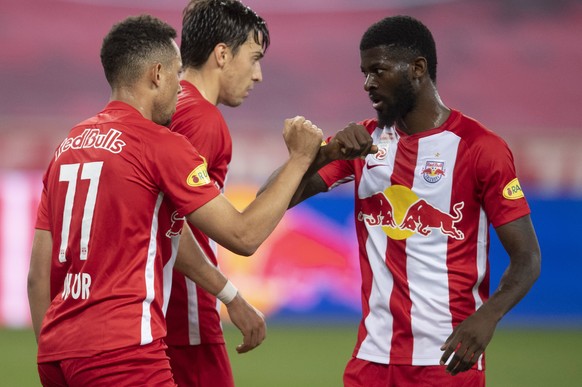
column 193, row 114
column 475, row 135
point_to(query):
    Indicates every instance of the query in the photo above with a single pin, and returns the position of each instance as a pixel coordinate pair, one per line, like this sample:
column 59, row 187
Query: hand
column 349, row 143
column 468, row 341
column 249, row 321
column 303, row 139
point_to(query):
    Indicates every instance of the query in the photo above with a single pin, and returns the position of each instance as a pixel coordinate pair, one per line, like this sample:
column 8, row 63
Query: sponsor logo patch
column 199, row 176
column 513, row 190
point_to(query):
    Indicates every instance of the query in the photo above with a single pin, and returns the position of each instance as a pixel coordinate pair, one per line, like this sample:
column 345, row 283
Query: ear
column 156, row 74
column 220, row 53
column 419, row 67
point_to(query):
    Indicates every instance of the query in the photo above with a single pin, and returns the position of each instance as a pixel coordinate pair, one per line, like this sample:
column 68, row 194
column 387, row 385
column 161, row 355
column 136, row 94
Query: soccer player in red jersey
column 222, row 44
column 429, row 181
column 108, row 232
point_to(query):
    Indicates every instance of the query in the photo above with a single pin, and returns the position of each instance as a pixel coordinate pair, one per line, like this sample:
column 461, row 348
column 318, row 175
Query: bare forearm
column 39, row 278
column 520, row 242
column 305, row 189
column 513, row 286
column 39, row 301
column 243, row 232
column 265, row 212
column 193, row 263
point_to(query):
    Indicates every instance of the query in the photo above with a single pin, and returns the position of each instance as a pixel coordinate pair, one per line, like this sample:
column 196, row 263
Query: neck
column 134, row 98
column 206, row 81
column 430, row 112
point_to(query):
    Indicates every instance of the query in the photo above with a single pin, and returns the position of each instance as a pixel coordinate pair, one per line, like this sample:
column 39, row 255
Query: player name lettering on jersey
column 93, row 138
column 77, row 285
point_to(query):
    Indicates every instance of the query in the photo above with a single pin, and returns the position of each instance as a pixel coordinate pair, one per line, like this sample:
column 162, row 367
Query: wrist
column 300, row 161
column 228, row 293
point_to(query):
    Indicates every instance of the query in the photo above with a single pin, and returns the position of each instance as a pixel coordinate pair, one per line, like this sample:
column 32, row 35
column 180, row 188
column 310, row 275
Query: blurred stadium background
column 512, row 64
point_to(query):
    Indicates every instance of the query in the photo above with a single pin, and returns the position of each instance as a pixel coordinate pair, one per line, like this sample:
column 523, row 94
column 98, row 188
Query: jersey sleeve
column 210, row 136
column 337, row 172
column 502, row 195
column 181, row 173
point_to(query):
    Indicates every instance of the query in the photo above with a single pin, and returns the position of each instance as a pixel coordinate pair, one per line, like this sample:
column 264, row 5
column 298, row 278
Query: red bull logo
column 384, row 216
column 433, row 171
column 421, row 217
column 176, row 227
column 401, row 214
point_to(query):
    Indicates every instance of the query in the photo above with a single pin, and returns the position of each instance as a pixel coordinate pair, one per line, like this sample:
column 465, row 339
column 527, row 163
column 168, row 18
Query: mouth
column 376, row 102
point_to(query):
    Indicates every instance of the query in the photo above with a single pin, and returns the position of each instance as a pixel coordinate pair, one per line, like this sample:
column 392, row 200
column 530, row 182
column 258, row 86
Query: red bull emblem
column 384, row 216
column 410, row 215
column 176, row 227
column 421, row 217
column 433, row 171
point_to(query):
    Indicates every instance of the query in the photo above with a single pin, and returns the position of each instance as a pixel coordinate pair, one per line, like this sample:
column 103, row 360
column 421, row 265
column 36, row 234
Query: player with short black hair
column 223, row 42
column 431, row 183
column 132, row 44
column 208, row 23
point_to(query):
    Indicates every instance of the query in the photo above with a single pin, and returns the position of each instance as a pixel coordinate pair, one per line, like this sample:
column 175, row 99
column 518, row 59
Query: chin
column 385, row 121
column 234, row 103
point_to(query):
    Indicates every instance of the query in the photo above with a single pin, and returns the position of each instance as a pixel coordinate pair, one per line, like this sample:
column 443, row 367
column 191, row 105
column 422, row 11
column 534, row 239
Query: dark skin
column 404, row 95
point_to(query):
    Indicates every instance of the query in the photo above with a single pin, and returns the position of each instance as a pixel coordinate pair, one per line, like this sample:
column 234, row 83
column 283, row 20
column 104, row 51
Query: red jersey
column 193, row 314
column 114, row 198
column 423, row 207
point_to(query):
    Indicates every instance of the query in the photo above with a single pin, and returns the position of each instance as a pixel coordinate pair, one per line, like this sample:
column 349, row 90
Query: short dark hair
column 207, row 23
column 405, row 34
column 133, row 43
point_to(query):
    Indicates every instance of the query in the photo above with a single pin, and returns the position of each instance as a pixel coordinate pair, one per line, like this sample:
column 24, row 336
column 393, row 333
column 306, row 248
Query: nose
column 369, row 82
column 257, row 73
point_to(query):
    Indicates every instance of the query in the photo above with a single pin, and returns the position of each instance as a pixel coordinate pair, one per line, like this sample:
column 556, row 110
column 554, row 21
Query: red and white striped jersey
column 193, row 313
column 114, row 199
column 423, row 208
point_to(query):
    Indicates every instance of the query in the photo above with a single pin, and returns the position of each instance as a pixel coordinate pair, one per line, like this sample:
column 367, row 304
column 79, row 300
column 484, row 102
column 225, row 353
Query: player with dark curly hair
column 424, row 200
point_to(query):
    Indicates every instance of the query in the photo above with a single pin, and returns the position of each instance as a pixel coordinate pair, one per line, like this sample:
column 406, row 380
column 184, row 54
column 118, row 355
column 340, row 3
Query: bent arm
column 350, row 143
column 243, row 232
column 310, row 185
column 193, row 263
column 470, row 338
column 520, row 241
column 39, row 278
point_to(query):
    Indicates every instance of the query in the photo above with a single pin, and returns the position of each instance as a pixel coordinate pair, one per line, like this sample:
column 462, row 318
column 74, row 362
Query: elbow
column 31, row 282
column 245, row 249
column 244, row 245
column 536, row 266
